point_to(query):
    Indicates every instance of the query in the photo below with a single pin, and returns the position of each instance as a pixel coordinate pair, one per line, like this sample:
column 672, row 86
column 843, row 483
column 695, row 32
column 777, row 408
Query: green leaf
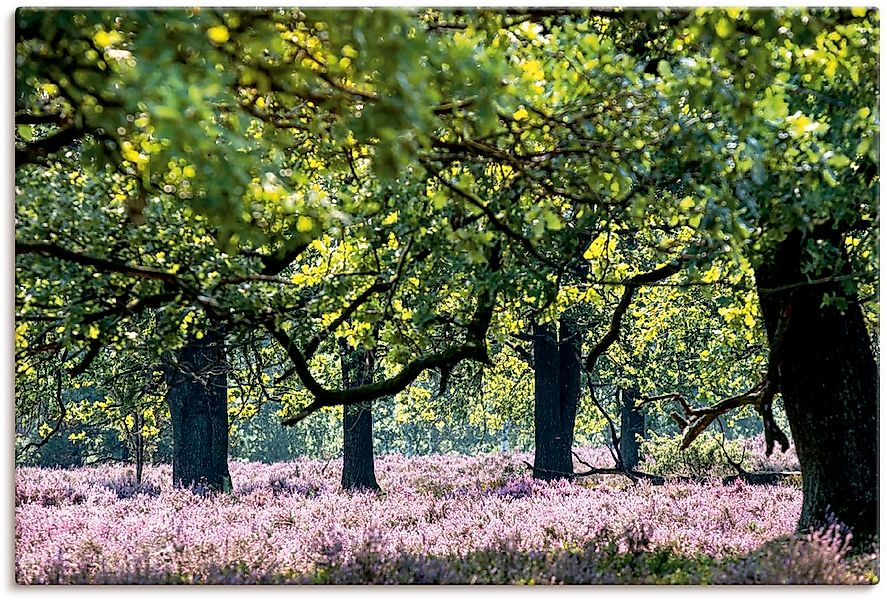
column 839, row 161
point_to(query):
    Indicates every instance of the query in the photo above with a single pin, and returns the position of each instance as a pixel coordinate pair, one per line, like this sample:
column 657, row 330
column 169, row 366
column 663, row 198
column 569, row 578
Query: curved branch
column 631, row 285
column 473, row 348
column 325, row 397
column 100, row 264
column 698, row 419
column 760, row 397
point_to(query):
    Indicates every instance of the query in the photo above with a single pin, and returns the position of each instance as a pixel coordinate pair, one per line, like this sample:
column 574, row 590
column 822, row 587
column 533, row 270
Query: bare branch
column 760, row 397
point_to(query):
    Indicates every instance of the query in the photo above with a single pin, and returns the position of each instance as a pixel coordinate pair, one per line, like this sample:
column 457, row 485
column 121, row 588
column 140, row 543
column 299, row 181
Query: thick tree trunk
column 197, row 393
column 829, row 383
column 632, row 429
column 557, row 370
column 358, row 469
column 570, row 363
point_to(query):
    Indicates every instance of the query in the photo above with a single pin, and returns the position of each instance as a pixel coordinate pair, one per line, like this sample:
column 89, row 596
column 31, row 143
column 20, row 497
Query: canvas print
column 446, row 296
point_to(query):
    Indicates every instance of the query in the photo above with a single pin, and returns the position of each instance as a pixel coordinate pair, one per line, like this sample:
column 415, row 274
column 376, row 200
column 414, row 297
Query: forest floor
column 440, row 519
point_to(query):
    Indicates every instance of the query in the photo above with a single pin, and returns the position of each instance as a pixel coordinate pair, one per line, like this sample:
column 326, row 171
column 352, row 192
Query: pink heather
column 290, row 522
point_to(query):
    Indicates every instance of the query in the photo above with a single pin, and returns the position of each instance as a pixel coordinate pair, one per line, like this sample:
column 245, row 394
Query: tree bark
column 632, row 428
column 570, row 364
column 503, row 436
column 557, row 370
column 828, row 378
column 197, row 393
column 139, row 446
column 358, row 469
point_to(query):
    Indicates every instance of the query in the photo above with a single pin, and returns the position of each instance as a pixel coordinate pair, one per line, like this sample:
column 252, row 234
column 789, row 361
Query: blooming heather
column 441, row 519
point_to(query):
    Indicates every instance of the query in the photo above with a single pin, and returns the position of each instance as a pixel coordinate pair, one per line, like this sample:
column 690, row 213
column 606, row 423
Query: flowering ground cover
column 441, row 519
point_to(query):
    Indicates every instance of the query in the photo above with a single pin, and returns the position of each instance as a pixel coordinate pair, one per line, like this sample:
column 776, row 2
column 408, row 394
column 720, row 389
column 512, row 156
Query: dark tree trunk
column 139, row 446
column 557, row 371
column 632, row 428
column 570, row 362
column 197, row 394
column 829, row 383
column 358, row 469
column 434, row 438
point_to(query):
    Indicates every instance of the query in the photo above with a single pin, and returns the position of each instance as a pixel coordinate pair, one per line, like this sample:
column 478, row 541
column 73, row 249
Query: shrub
column 663, row 455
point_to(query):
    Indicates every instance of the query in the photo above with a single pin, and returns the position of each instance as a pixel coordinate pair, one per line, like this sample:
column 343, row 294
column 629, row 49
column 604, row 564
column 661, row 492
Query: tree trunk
column 557, row 370
column 570, row 363
column 197, row 393
column 503, row 436
column 140, row 446
column 358, row 470
column 433, row 438
column 632, row 428
column 829, row 383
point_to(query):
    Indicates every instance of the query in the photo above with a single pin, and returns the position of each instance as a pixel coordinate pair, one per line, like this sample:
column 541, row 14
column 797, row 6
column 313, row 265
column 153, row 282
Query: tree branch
column 100, row 264
column 274, row 264
column 494, row 220
column 473, row 348
column 92, row 351
column 349, row 310
column 38, row 150
column 698, row 419
column 631, row 285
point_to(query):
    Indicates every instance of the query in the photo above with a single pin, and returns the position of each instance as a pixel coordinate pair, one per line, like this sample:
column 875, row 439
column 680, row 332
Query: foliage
column 711, row 456
column 282, row 166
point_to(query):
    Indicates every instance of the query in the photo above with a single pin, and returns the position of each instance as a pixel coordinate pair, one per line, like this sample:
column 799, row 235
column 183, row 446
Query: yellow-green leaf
column 304, row 224
column 218, row 34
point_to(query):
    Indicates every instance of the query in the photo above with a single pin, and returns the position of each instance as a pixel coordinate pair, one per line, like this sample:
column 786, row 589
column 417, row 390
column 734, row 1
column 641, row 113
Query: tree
column 632, row 428
column 829, row 385
column 231, row 195
column 197, row 393
column 807, row 277
column 139, row 147
column 557, row 371
column 358, row 470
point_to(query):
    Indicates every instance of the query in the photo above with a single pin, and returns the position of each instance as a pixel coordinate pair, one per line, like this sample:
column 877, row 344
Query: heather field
column 441, row 519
